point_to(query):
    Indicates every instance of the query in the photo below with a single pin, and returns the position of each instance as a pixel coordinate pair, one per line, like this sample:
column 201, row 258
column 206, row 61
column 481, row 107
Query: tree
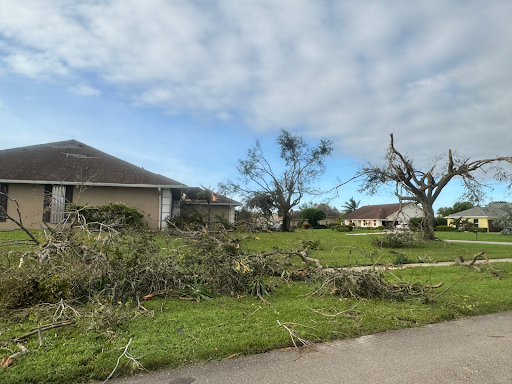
column 312, row 215
column 351, row 205
column 505, row 220
column 263, row 203
column 424, row 187
column 209, row 196
column 459, row 206
column 302, row 166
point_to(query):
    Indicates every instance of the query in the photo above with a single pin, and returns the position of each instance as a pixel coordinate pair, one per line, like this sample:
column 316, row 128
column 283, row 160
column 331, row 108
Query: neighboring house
column 330, row 215
column 482, row 217
column 44, row 178
column 219, row 205
column 386, row 215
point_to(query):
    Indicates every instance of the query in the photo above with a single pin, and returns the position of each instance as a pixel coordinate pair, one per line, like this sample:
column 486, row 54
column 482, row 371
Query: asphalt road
column 474, row 350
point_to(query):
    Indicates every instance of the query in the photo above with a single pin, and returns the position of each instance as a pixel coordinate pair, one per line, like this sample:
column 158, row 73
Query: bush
column 396, row 240
column 116, row 214
column 344, row 228
column 306, row 226
column 479, row 229
column 445, row 228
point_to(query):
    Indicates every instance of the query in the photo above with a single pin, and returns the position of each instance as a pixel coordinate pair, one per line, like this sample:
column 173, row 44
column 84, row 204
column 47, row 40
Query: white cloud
column 437, row 74
column 85, row 90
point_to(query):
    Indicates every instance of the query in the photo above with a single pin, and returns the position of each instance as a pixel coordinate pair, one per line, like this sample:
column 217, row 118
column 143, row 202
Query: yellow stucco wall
column 30, row 198
column 482, row 222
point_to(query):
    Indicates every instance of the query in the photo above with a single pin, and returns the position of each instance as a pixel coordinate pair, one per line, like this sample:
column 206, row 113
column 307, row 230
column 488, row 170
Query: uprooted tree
column 423, row 187
column 303, row 165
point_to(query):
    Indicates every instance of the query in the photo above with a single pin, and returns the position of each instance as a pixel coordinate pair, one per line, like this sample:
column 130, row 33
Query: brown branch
column 44, row 328
column 7, row 361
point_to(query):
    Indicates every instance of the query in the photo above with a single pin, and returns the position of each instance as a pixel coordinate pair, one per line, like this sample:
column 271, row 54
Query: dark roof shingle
column 73, row 162
column 374, row 212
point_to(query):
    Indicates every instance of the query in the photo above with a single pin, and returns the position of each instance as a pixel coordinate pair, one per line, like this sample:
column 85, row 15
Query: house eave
column 90, row 184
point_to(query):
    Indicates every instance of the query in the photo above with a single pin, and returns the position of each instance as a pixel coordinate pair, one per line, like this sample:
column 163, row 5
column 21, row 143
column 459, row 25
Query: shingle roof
column 374, row 212
column 70, row 162
column 493, row 211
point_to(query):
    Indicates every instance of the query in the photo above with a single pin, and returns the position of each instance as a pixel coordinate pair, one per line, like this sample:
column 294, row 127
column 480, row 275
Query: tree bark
column 428, row 221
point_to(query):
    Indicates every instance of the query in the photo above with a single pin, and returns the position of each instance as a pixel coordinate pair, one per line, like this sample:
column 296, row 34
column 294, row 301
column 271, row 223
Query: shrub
column 344, row 228
column 305, row 225
column 396, row 240
column 117, row 214
column 445, row 228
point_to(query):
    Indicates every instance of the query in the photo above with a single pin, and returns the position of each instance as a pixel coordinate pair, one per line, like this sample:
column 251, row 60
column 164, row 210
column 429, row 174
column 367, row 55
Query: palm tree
column 351, row 205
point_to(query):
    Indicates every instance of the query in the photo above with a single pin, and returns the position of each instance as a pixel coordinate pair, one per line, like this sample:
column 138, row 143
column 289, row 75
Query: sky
column 183, row 88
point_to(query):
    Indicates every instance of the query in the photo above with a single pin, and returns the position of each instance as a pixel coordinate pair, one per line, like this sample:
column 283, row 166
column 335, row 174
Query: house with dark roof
column 331, row 215
column 386, row 215
column 43, row 178
column 481, row 217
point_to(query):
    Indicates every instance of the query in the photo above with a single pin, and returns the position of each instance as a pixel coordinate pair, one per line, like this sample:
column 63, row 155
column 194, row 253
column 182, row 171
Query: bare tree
column 303, row 165
column 424, row 187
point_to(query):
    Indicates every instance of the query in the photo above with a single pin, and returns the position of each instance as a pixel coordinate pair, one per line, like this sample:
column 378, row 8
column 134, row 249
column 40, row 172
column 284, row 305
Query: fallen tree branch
column 7, row 361
column 131, row 359
column 305, row 343
column 44, row 328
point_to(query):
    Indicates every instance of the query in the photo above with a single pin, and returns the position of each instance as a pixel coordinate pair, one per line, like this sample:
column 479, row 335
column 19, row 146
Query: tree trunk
column 428, row 221
column 286, row 222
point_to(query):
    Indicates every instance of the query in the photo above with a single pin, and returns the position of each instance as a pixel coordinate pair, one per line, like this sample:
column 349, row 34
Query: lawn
column 339, row 249
column 171, row 332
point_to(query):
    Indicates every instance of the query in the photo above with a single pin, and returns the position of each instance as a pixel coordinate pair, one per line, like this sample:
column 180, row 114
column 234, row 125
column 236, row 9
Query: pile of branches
column 370, row 283
column 88, row 262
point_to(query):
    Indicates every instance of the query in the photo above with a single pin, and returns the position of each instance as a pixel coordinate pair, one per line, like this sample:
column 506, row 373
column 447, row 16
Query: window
column 326, row 222
column 4, row 189
column 55, row 199
column 374, row 223
column 475, row 221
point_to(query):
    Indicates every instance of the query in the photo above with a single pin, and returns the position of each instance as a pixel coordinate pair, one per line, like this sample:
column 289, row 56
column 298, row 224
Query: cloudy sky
column 185, row 87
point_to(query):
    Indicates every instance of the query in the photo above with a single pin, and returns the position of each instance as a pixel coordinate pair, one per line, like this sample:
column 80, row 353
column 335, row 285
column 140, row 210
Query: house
column 481, row 217
column 386, row 215
column 330, row 215
column 42, row 179
column 209, row 204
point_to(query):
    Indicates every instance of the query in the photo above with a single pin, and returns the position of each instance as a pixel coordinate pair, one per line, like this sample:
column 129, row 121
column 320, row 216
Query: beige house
column 386, row 215
column 481, row 217
column 42, row 179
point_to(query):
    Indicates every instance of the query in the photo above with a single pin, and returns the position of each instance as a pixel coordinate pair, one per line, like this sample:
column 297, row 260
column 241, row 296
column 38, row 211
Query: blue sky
column 184, row 88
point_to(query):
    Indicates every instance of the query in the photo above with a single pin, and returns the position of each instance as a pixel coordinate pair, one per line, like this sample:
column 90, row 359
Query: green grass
column 470, row 236
column 338, row 249
column 174, row 333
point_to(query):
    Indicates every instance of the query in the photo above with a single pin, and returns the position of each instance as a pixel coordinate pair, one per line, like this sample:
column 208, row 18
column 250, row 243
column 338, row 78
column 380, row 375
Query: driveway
column 474, row 350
